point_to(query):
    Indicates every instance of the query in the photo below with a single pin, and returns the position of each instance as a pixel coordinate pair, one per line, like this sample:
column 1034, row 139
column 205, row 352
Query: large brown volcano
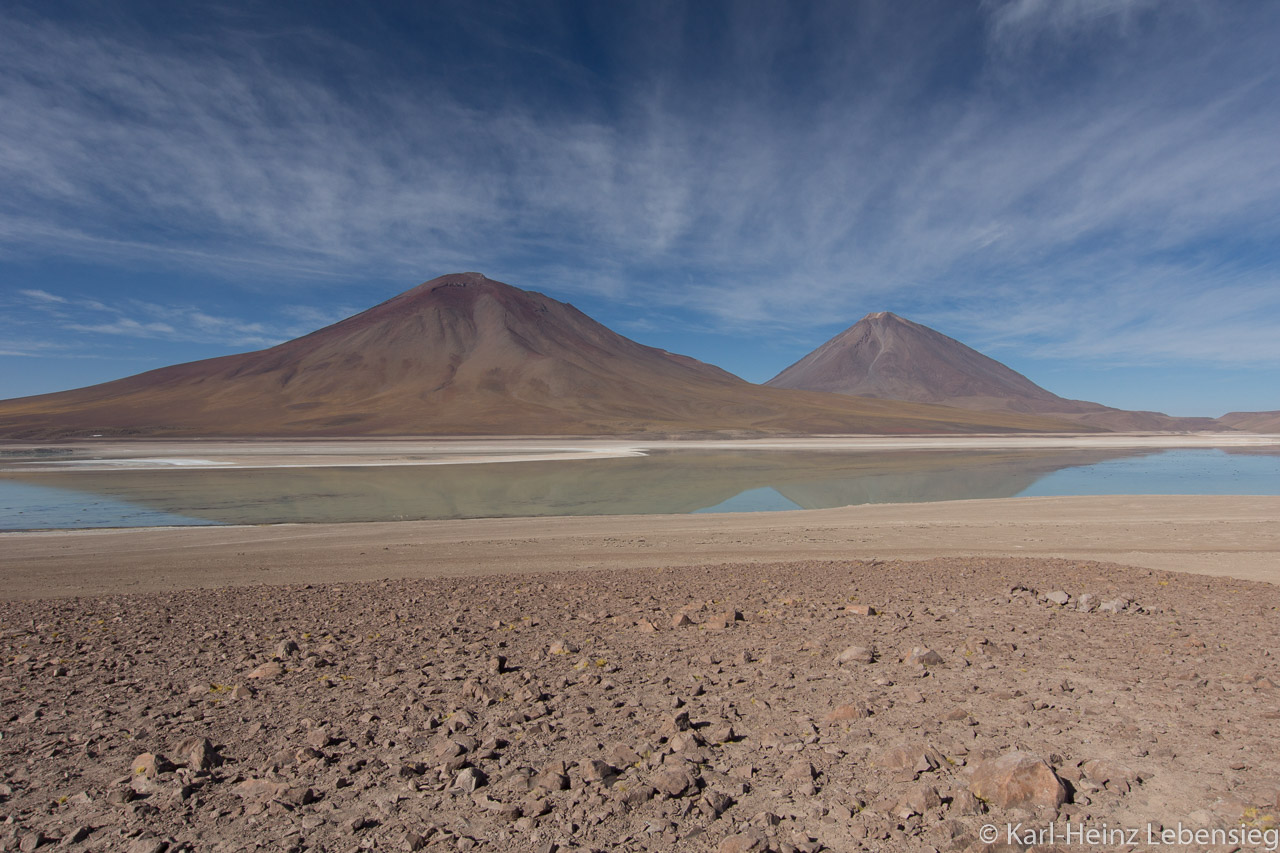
column 466, row 355
column 888, row 357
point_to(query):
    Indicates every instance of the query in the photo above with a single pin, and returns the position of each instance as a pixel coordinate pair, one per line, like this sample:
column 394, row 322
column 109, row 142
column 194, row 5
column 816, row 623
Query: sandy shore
column 1227, row 536
column 108, row 454
column 802, row 707
column 846, row 679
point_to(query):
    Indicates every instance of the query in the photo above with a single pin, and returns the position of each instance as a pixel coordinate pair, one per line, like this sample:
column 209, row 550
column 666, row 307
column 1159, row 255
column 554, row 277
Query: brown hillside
column 1252, row 421
column 463, row 354
column 888, row 357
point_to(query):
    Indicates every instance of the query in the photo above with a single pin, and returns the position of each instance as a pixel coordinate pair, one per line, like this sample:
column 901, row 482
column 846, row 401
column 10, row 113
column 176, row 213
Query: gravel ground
column 789, row 706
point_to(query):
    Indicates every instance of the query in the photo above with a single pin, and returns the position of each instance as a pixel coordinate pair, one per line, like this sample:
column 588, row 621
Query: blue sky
column 1087, row 190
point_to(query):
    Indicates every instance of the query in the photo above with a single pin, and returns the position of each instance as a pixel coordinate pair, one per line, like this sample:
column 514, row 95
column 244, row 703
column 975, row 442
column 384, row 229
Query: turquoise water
column 666, row 482
column 1173, row 472
column 27, row 506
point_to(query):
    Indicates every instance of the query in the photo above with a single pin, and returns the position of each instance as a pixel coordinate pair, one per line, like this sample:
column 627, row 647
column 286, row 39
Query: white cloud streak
column 42, row 296
column 140, row 319
column 1052, row 217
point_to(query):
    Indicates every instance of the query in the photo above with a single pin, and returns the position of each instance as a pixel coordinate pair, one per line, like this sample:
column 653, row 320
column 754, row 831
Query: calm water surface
column 665, row 482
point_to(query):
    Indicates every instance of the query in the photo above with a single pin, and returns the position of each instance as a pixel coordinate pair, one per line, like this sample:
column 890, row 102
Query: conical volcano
column 889, row 357
column 462, row 355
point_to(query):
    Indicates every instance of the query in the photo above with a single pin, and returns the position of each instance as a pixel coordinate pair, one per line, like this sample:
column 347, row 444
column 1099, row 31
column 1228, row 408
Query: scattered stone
column 913, row 758
column 716, row 803
column 148, row 845
column 270, row 669
column 553, row 777
column 468, row 779
column 121, row 796
column 677, row 723
column 965, row 803
column 1017, row 779
column 799, row 771
column 1113, row 775
column 859, row 610
column 595, row 771
column 407, row 700
column 149, row 765
column 76, row 836
column 1058, row 597
column 674, row 782
column 721, row 621
column 639, row 795
column 918, row 800
column 741, row 843
column 845, row 713
column 856, row 654
column 260, row 789
column 621, row 755
column 197, row 753
column 721, row 733
column 920, row 656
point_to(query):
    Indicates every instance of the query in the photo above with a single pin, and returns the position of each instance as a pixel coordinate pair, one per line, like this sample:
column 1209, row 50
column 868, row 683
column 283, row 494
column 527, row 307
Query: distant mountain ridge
column 888, row 357
column 1252, row 421
column 465, row 355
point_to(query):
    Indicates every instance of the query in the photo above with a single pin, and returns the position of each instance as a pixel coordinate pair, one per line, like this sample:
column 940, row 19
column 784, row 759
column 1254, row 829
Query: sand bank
column 284, row 453
column 1217, row 535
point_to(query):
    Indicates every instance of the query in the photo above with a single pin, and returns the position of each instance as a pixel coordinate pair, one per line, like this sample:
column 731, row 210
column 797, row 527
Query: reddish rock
column 856, row 654
column 918, row 800
column 270, row 669
column 149, row 765
column 260, row 789
column 1113, row 775
column 917, row 758
column 920, row 656
column 799, row 771
column 674, row 781
column 1017, row 779
column 197, row 753
column 844, row 713
column 744, row 842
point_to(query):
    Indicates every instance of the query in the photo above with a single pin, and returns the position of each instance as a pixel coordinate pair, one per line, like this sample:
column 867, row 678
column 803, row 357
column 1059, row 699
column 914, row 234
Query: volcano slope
column 888, row 357
column 465, row 355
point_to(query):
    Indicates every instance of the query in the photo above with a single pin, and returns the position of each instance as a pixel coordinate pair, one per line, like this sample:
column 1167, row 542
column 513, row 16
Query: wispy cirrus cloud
column 146, row 320
column 1023, row 21
column 816, row 165
column 42, row 296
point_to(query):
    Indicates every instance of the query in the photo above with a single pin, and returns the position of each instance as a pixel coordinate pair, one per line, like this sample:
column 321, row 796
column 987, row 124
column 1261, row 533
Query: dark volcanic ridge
column 888, row 357
column 465, row 355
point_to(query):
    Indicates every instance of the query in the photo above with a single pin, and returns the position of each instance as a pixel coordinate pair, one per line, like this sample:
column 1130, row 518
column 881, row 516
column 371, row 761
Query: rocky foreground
column 794, row 707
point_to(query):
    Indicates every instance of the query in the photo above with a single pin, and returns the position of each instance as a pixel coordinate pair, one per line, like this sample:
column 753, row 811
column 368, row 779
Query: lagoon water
column 664, row 482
